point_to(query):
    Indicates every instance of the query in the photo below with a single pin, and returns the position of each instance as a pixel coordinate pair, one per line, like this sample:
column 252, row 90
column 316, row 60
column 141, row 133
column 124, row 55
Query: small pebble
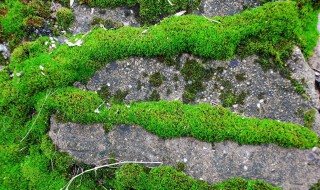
column 315, row 149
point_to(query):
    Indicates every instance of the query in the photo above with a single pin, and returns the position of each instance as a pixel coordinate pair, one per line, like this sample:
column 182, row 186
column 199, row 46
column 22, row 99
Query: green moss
column 119, row 96
column 175, row 78
column 169, row 91
column 309, row 118
column 193, row 73
column 202, row 121
column 139, row 85
column 134, row 176
column 181, row 166
column 64, row 17
column 273, row 29
column 38, row 8
column 104, row 93
column 315, row 186
column 33, row 21
column 108, row 23
column 156, row 79
column 298, row 87
column 229, row 96
column 155, row 96
column 240, row 183
column 240, row 77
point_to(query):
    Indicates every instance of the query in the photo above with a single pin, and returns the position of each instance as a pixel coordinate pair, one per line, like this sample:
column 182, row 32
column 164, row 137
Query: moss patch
column 64, row 17
column 156, row 79
column 229, row 96
column 174, row 119
column 309, row 118
column 193, row 73
column 28, row 101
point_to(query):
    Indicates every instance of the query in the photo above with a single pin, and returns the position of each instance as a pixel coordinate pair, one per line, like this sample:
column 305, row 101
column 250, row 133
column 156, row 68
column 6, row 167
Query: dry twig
column 47, row 96
column 66, row 187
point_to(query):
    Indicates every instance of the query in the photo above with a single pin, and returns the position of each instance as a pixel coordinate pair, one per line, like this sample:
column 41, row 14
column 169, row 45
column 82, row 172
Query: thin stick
column 47, row 96
column 104, row 166
column 211, row 19
column 316, row 70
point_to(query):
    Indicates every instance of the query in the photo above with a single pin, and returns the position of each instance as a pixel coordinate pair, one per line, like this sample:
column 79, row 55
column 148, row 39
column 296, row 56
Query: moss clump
column 298, row 87
column 33, row 21
column 164, row 177
column 119, row 96
column 315, row 186
column 229, row 96
column 180, row 166
column 240, row 183
column 309, row 118
column 104, row 93
column 64, row 17
column 108, row 23
column 169, row 91
column 240, row 77
column 156, row 79
column 194, row 74
column 154, row 96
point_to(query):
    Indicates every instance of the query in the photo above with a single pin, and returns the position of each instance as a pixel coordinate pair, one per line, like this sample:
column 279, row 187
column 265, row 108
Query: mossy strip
column 174, row 119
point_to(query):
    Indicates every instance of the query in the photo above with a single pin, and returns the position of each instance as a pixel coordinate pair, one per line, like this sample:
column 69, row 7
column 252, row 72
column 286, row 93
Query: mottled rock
column 221, row 7
column 266, row 93
column 84, row 15
column 287, row 168
column 133, row 74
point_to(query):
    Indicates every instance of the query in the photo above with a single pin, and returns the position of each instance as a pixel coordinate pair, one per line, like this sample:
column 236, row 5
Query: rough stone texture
column 268, row 94
column 274, row 94
column 287, row 168
column 84, row 15
column 127, row 74
column 226, row 7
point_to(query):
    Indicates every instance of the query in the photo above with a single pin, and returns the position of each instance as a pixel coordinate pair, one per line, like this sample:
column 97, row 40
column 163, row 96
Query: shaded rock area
column 287, row 168
column 212, row 8
column 265, row 93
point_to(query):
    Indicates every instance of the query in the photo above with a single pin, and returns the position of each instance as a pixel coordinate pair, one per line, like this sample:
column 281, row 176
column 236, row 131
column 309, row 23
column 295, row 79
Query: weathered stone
column 84, row 15
column 280, row 100
column 221, row 7
column 284, row 167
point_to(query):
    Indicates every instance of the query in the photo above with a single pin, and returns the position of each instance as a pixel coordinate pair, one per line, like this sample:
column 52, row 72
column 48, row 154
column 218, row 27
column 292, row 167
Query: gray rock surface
column 226, row 7
column 268, row 94
column 287, row 168
column 84, row 15
column 133, row 75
